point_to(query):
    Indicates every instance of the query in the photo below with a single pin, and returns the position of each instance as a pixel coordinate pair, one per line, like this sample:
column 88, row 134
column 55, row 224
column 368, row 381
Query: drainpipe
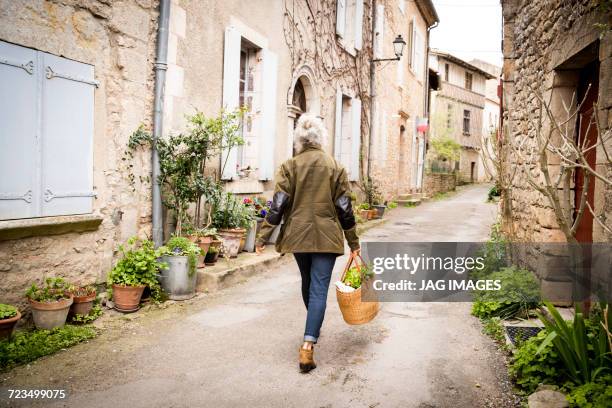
column 426, row 107
column 372, row 90
column 161, row 66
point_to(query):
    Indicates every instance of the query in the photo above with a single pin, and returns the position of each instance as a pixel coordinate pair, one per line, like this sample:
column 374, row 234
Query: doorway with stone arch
column 303, row 97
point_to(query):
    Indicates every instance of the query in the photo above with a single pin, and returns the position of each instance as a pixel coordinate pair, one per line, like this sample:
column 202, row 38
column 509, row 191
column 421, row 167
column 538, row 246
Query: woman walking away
column 312, row 198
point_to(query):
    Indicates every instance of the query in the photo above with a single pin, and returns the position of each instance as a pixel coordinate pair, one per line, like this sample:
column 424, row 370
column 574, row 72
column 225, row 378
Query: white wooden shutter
column 19, row 195
column 411, row 43
column 267, row 139
column 380, row 31
column 338, row 126
column 231, row 92
column 358, row 24
column 418, row 55
column 340, row 17
column 355, row 139
column 67, row 142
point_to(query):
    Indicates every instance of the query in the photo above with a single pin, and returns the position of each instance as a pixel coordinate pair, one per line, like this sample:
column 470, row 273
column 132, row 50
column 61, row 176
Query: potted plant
column 178, row 280
column 372, row 196
column 205, row 239
column 138, row 268
column 380, row 209
column 364, row 211
column 231, row 218
column 213, row 253
column 9, row 316
column 50, row 303
column 83, row 299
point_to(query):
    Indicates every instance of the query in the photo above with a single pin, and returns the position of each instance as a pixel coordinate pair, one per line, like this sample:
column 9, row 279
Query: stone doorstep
column 226, row 273
column 412, row 201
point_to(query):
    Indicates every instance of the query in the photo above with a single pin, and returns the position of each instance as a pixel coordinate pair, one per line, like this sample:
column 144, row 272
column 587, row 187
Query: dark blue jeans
column 316, row 270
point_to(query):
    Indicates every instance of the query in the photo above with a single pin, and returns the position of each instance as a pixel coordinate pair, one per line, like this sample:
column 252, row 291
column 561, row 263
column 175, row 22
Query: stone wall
column 435, row 183
column 118, row 39
column 539, row 39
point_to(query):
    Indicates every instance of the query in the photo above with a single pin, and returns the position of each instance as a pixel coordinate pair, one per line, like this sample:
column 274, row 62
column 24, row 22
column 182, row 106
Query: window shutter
column 340, row 17
column 338, row 126
column 67, row 151
column 231, row 93
column 380, row 31
column 19, row 197
column 355, row 140
column 359, row 24
column 268, row 117
column 413, row 45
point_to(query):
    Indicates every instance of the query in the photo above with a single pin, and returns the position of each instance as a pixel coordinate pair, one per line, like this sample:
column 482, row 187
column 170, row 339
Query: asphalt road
column 239, row 347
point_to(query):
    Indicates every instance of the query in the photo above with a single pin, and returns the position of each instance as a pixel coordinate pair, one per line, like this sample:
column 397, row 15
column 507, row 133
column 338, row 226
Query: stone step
column 412, row 201
column 410, row 196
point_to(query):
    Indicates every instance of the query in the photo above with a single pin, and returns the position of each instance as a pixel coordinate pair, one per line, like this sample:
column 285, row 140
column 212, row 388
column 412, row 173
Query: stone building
column 76, row 79
column 458, row 108
column 561, row 51
column 397, row 148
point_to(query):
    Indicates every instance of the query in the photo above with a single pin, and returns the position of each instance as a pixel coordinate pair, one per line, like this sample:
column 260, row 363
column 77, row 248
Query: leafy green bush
column 493, row 253
column 230, row 212
column 529, row 368
column 596, row 394
column 392, row 204
column 54, row 289
column 584, row 347
column 180, row 246
column 519, row 293
column 138, row 265
column 493, row 192
column 26, row 346
column 7, row 311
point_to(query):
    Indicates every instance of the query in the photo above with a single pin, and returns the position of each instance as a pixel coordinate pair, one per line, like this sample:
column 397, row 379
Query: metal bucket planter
column 50, row 315
column 178, row 280
column 380, row 210
column 231, row 242
column 8, row 325
column 127, row 298
column 251, row 236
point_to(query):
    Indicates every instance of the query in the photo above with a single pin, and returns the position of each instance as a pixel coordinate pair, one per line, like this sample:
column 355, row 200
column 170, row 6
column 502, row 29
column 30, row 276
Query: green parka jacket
column 312, row 197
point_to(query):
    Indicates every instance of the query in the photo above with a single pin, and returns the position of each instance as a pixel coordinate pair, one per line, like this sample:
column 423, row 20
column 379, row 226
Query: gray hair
column 309, row 131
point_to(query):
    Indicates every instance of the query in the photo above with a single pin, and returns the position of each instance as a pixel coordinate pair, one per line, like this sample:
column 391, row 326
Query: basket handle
column 353, row 258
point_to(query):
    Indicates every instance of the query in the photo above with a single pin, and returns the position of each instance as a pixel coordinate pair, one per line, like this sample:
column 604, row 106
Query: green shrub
column 54, row 289
column 392, row 204
column 7, row 311
column 493, row 192
column 530, row 369
column 596, row 394
column 493, row 253
column 26, row 346
column 519, row 293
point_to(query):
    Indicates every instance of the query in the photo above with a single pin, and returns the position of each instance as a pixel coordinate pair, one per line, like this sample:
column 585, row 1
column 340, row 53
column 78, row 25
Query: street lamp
column 398, row 49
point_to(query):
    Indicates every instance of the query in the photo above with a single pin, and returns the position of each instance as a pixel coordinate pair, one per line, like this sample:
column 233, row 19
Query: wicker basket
column 354, row 311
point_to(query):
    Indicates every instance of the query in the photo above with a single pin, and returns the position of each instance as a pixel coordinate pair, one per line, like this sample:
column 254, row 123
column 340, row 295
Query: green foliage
column 493, row 192
column 493, row 254
column 26, row 346
column 363, row 206
column 87, row 290
column 230, row 212
column 180, row 246
column 212, row 250
column 392, row 204
column 138, row 265
column 371, row 191
column 519, row 293
column 355, row 274
column 582, row 345
column 94, row 313
column 529, row 368
column 494, row 328
column 440, row 196
column 445, row 148
column 7, row 311
column 53, row 290
column 597, row 394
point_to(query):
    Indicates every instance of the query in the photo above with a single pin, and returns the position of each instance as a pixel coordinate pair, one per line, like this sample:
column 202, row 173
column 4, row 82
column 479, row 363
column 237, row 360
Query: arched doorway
column 302, row 98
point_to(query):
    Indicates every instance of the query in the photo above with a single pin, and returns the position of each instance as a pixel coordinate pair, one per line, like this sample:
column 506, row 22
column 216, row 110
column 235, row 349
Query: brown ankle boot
column 306, row 360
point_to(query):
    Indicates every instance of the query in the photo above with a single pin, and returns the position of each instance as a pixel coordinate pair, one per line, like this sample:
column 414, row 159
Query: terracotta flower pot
column 364, row 214
column 50, row 315
column 82, row 304
column 231, row 241
column 127, row 298
column 8, row 325
column 204, row 244
column 372, row 214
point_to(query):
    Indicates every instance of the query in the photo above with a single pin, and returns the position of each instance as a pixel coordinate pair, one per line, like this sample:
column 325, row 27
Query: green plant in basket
column 7, row 311
column 354, row 275
column 138, row 266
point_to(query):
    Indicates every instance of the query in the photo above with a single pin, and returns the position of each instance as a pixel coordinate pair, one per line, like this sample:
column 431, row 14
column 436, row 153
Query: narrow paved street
column 238, row 348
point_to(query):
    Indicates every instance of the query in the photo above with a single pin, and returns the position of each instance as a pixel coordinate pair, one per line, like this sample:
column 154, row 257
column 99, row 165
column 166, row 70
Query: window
column 449, row 116
column 250, row 79
column 349, row 23
column 468, row 81
column 46, row 134
column 347, row 135
column 446, row 72
column 466, row 122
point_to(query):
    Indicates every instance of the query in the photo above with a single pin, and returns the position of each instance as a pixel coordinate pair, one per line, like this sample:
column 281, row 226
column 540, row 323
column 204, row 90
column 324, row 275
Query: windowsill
column 31, row 227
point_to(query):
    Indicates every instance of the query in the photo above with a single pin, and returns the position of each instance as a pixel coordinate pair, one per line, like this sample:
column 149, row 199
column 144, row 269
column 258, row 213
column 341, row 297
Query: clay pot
column 372, row 214
column 364, row 214
column 82, row 304
column 50, row 315
column 8, row 325
column 127, row 298
column 231, row 241
column 204, row 244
